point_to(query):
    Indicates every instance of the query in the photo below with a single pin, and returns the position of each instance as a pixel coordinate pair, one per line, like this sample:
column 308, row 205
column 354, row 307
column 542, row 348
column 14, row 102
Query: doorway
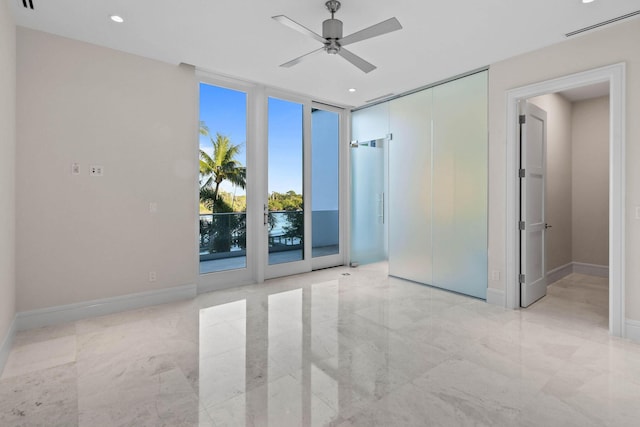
column 614, row 75
column 573, row 206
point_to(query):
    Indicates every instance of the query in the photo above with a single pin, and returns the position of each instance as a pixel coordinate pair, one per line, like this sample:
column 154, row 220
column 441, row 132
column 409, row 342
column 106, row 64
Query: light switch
column 75, row 168
column 153, row 207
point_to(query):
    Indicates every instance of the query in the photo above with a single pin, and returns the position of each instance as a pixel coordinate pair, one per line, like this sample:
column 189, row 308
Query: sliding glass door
column 269, row 185
column 302, row 211
column 285, row 207
column 326, row 182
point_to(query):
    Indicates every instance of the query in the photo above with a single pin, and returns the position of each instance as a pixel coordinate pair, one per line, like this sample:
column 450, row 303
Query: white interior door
column 533, row 142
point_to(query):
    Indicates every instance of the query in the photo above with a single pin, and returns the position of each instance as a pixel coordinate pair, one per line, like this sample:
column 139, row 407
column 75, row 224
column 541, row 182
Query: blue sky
column 225, row 111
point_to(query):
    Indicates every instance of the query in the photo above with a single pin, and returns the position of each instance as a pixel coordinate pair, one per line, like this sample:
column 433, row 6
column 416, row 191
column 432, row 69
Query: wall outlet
column 96, row 170
column 153, row 207
column 152, row 276
column 75, row 168
column 495, row 275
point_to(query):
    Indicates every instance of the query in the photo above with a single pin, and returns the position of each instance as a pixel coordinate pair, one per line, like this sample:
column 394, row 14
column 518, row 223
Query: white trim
column 7, row 342
column 495, row 297
column 559, row 272
column 100, row 307
column 632, row 328
column 222, row 284
column 615, row 75
column 577, row 267
column 591, row 269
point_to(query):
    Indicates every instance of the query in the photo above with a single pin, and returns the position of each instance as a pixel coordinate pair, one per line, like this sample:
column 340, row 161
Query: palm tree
column 219, row 167
column 216, row 168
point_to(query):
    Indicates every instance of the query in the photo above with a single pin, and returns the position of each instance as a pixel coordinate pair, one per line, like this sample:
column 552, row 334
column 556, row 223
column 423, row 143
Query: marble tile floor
column 337, row 347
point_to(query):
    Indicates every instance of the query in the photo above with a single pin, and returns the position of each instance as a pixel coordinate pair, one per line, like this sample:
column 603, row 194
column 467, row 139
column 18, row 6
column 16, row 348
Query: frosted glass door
column 460, row 185
column 368, row 241
column 410, row 187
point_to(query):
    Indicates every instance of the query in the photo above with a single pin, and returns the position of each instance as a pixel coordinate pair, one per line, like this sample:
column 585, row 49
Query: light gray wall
column 81, row 237
column 590, row 123
column 558, row 239
column 7, row 169
column 577, row 186
column 614, row 44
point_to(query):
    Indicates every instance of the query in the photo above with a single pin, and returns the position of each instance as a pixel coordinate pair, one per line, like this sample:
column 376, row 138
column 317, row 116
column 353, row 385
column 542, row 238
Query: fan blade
column 356, row 60
column 384, row 27
column 300, row 58
column 300, row 28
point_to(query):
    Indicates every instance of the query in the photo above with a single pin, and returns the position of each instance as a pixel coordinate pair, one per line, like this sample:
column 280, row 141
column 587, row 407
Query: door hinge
column 521, row 173
column 521, row 225
column 522, row 278
column 390, row 136
column 523, row 119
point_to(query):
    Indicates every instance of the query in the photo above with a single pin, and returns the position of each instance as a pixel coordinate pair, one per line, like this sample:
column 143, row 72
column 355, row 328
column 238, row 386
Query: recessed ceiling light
column 117, row 18
column 352, row 90
column 587, row 1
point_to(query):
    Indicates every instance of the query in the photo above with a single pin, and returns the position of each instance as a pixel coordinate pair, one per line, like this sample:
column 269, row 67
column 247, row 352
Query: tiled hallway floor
column 331, row 349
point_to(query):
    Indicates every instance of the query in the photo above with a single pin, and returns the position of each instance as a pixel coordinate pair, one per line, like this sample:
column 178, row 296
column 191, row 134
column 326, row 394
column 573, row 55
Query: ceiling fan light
column 332, row 47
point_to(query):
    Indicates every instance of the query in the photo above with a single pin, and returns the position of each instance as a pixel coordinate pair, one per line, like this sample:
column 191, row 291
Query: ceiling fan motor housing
column 332, row 29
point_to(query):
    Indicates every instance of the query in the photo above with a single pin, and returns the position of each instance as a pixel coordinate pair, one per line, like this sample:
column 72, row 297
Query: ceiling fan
column 332, row 40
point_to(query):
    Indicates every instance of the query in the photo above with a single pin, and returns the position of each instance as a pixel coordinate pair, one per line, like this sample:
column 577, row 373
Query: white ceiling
column 586, row 92
column 238, row 38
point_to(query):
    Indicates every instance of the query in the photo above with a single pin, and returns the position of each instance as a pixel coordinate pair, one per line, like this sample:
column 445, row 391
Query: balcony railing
column 224, row 235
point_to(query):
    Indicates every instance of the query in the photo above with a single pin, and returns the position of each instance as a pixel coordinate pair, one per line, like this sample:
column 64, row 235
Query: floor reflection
column 366, row 349
column 328, row 349
column 293, row 356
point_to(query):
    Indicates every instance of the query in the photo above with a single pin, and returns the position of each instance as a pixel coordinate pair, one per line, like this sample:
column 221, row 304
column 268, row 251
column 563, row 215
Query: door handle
column 547, row 226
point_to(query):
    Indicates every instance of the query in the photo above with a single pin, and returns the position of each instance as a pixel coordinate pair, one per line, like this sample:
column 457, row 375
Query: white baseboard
column 559, row 272
column 495, row 297
column 632, row 330
column 204, row 288
column 7, row 342
column 591, row 269
column 100, row 307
